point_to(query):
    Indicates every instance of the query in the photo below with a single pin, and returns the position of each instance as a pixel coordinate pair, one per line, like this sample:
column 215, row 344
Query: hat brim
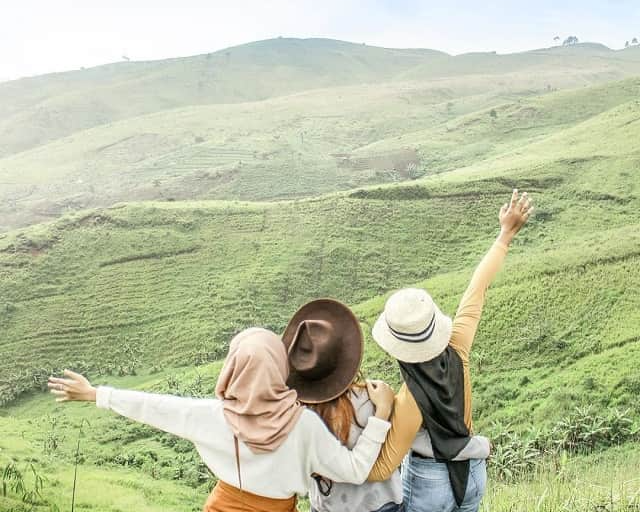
column 349, row 358
column 419, row 352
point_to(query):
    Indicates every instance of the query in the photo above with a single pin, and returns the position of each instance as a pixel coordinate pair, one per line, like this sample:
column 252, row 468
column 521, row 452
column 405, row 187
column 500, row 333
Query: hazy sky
column 54, row 35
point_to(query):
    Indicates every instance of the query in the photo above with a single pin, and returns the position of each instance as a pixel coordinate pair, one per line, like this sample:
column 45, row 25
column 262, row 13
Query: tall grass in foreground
column 548, row 490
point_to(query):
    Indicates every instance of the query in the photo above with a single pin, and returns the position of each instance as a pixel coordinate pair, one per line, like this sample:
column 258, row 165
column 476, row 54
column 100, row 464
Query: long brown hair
column 338, row 414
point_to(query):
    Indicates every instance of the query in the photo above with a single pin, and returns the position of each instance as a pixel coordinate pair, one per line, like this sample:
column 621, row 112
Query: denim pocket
column 478, row 474
column 427, row 487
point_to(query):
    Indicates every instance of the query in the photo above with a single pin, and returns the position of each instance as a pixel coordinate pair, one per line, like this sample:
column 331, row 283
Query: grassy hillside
column 55, row 105
column 307, row 116
column 147, row 294
column 152, row 279
column 40, row 109
column 301, row 145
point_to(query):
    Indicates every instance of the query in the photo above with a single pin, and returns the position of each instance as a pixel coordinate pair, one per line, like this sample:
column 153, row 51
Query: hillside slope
column 306, row 144
column 151, row 279
column 44, row 108
column 39, row 109
column 147, row 295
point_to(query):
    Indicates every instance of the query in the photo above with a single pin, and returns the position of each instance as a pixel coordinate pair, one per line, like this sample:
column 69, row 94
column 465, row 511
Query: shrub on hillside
column 584, row 430
column 517, row 455
column 514, row 456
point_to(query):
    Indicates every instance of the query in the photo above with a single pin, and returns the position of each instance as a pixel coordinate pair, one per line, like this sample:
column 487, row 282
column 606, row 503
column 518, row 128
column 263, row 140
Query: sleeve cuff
column 377, row 429
column 103, row 397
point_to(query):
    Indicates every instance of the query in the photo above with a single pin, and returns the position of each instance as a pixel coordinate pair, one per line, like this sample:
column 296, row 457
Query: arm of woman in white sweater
column 180, row 416
column 333, row 460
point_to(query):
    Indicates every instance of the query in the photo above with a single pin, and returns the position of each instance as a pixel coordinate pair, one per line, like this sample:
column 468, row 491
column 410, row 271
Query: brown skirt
column 226, row 498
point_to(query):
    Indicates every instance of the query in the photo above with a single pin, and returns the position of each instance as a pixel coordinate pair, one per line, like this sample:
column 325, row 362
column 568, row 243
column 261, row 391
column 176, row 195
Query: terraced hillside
column 307, row 116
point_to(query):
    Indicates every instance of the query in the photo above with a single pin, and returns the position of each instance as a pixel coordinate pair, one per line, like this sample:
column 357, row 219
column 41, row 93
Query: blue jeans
column 426, row 486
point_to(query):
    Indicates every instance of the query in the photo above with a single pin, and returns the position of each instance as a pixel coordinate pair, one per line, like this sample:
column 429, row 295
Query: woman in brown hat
column 325, row 346
column 255, row 436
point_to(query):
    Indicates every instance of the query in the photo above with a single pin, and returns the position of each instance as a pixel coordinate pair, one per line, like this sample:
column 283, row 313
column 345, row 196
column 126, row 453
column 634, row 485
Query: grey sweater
column 369, row 496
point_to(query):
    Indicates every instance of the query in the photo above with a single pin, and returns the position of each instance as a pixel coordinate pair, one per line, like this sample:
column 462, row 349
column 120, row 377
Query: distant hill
column 40, row 109
column 44, row 108
column 309, row 143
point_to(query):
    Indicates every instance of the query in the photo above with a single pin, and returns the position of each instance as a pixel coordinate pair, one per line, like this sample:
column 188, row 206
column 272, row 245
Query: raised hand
column 73, row 387
column 514, row 214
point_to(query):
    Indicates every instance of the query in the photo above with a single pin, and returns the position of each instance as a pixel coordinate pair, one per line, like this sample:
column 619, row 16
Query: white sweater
column 309, row 448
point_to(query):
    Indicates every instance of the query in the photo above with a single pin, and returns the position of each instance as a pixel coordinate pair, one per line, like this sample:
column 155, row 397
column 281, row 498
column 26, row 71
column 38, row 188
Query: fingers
column 57, row 392
column 371, row 391
column 514, row 197
column 73, row 375
column 504, row 209
column 60, row 382
column 524, row 199
column 528, row 213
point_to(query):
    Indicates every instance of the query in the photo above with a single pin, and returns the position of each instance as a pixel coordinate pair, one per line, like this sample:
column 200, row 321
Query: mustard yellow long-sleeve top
column 406, row 419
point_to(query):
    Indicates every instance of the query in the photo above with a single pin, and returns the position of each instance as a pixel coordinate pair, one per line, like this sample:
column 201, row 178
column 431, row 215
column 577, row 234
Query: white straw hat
column 412, row 328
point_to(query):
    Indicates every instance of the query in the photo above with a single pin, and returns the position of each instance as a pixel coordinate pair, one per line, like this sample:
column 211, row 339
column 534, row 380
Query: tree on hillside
column 626, row 44
column 556, row 39
column 493, row 114
column 634, row 41
column 570, row 40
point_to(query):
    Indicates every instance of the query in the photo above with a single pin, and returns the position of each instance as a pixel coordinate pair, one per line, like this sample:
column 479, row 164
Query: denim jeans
column 427, row 488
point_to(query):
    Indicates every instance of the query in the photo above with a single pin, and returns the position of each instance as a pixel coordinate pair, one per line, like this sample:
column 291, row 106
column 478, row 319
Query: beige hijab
column 258, row 405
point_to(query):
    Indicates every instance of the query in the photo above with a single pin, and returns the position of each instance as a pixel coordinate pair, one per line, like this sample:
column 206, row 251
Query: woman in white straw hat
column 431, row 421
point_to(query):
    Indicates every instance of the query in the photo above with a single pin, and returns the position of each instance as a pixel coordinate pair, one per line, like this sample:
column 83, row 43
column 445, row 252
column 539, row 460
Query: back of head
column 339, row 413
column 258, row 405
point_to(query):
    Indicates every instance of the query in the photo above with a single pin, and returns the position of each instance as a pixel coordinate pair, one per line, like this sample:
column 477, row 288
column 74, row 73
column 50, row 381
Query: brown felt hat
column 324, row 342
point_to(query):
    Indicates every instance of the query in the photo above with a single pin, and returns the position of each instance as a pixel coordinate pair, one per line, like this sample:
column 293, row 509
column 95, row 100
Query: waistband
column 227, row 498
column 420, row 456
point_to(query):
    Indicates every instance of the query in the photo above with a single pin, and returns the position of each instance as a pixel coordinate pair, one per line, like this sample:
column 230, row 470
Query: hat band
column 415, row 337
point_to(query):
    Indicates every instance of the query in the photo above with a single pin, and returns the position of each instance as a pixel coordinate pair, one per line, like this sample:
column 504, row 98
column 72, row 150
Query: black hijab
column 438, row 388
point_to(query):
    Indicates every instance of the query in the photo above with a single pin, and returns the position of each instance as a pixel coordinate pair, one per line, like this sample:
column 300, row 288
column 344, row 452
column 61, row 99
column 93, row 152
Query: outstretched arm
column 512, row 216
column 177, row 415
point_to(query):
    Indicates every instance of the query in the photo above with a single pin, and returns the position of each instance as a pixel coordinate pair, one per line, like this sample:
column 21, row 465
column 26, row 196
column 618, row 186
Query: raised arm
column 332, row 460
column 176, row 415
column 512, row 217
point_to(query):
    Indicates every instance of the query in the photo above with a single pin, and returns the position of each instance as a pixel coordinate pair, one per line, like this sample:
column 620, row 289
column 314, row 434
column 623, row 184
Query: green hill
column 43, row 108
column 306, row 116
column 56, row 105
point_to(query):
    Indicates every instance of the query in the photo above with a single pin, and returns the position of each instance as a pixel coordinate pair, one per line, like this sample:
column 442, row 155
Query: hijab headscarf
column 258, row 405
column 438, row 388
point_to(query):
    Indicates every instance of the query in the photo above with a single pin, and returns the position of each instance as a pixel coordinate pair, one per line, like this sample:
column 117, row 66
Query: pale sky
column 41, row 36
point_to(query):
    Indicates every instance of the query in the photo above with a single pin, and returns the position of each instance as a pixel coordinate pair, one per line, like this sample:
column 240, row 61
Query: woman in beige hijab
column 255, row 437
